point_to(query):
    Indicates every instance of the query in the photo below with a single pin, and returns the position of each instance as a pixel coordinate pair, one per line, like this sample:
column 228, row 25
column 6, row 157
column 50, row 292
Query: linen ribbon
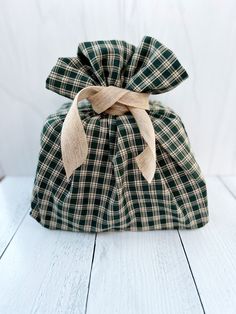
column 112, row 100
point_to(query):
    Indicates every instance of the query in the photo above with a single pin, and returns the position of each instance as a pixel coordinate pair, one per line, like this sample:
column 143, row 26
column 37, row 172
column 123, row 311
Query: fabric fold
column 150, row 67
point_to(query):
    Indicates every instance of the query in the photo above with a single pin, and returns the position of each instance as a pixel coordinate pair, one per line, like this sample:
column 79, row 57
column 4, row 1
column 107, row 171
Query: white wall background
column 202, row 33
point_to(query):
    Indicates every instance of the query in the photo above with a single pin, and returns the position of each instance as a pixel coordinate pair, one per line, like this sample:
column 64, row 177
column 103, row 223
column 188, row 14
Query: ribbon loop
column 116, row 101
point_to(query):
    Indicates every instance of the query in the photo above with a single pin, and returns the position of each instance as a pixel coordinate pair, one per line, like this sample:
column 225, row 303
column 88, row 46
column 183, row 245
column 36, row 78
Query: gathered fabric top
column 148, row 68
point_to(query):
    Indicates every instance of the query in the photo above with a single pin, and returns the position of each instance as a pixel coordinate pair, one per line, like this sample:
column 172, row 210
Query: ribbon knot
column 112, row 100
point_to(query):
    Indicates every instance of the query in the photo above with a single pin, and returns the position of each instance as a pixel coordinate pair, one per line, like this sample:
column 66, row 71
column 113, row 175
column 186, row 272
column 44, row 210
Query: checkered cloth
column 108, row 191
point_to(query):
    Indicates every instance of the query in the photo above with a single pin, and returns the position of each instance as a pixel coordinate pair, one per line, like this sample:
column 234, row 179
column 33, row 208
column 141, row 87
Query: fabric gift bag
column 112, row 159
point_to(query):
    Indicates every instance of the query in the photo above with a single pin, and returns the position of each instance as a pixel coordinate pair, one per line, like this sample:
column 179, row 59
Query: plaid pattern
column 108, row 192
column 149, row 68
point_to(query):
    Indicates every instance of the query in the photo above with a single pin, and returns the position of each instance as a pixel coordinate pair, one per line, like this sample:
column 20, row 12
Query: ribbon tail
column 146, row 161
column 74, row 146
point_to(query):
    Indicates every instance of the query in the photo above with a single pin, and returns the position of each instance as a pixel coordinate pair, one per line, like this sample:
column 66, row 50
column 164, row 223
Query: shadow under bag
column 108, row 191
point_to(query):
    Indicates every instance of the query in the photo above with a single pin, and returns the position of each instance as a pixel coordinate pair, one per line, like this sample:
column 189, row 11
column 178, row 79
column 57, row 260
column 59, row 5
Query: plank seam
column 194, row 281
column 226, row 186
column 9, row 242
column 90, row 274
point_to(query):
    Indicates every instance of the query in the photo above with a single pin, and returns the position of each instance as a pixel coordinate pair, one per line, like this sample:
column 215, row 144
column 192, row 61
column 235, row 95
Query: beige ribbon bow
column 112, row 100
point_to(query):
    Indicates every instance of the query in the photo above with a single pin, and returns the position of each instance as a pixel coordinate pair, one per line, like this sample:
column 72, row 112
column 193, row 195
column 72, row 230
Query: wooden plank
column 45, row 271
column 15, row 193
column 141, row 272
column 230, row 182
column 211, row 251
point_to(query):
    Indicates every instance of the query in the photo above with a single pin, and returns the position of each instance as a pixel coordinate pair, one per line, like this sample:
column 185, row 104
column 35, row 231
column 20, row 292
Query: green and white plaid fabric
column 108, row 192
column 149, row 68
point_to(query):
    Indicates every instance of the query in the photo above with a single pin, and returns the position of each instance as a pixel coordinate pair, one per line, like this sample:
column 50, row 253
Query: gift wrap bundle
column 112, row 159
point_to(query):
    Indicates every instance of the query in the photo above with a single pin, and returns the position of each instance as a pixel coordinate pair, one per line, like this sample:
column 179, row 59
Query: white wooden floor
column 45, row 271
